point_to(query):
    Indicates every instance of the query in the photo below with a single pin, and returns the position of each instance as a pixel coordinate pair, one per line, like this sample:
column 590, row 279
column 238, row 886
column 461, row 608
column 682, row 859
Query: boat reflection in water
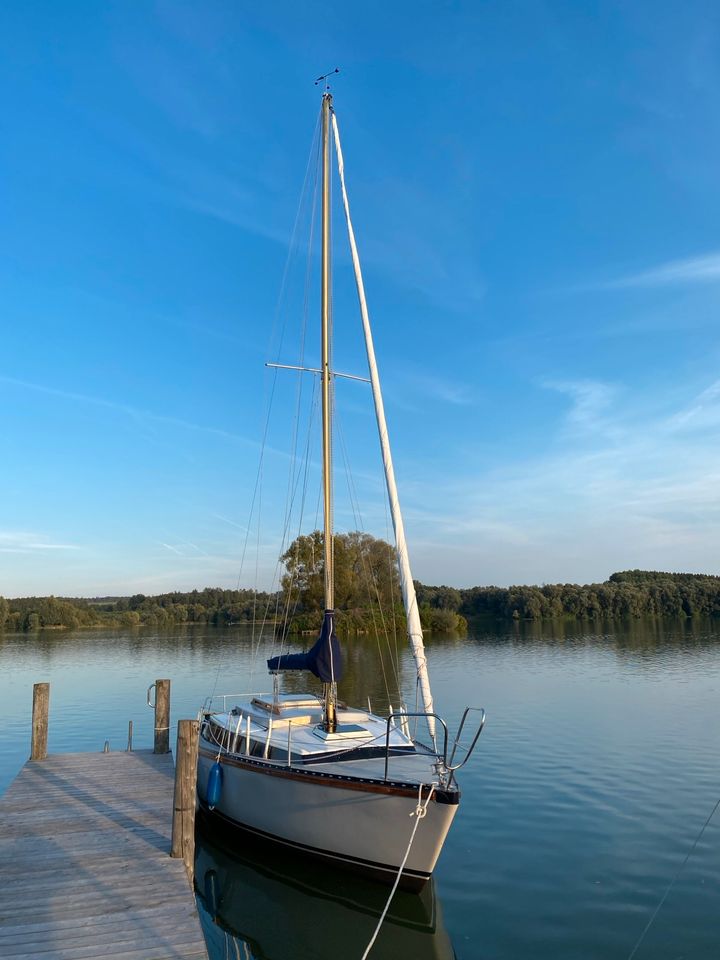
column 265, row 904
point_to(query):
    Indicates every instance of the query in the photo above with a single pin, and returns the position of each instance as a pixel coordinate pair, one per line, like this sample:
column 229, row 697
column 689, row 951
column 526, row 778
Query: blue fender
column 214, row 785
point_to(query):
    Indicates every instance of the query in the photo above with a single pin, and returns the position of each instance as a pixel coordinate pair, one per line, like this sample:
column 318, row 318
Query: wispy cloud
column 194, row 547
column 172, row 549
column 134, row 412
column 414, row 385
column 19, row 541
column 591, row 401
column 240, row 526
column 423, row 242
column 693, row 270
column 624, row 487
column 702, row 413
column 187, row 554
column 450, row 391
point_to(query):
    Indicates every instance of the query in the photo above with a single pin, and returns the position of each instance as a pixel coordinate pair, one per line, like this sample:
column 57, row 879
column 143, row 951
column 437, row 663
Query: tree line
column 367, row 597
column 211, row 606
column 626, row 594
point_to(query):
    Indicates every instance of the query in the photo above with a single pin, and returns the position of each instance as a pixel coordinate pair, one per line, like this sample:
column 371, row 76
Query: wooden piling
column 162, row 716
column 183, row 825
column 41, row 706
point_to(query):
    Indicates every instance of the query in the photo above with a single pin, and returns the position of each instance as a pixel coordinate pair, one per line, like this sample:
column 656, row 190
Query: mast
column 407, row 587
column 326, row 375
column 325, row 355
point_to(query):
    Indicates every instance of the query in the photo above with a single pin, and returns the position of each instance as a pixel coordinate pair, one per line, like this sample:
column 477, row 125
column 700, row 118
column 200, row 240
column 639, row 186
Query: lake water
column 598, row 766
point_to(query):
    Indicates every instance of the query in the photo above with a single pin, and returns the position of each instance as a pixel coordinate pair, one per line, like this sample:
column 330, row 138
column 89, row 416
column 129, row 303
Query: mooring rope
column 419, row 814
column 673, row 881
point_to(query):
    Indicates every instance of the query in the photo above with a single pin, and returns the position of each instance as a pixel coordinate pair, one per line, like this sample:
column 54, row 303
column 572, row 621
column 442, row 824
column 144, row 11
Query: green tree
column 441, row 619
column 366, row 578
column 303, row 584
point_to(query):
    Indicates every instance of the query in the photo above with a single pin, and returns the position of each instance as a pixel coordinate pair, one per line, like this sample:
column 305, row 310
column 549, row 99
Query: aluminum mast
column 326, row 381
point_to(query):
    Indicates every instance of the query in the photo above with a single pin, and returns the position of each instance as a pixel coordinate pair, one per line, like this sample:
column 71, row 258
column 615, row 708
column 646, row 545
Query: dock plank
column 85, row 871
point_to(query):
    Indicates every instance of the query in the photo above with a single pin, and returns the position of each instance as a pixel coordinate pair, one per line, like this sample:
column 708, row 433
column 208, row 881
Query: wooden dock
column 85, row 866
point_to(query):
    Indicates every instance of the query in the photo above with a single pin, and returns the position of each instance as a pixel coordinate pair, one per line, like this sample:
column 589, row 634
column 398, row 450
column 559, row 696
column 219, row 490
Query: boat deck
column 263, row 728
column 296, row 720
column 85, row 870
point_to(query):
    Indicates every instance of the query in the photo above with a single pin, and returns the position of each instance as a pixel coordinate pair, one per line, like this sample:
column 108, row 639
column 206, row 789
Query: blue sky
column 536, row 197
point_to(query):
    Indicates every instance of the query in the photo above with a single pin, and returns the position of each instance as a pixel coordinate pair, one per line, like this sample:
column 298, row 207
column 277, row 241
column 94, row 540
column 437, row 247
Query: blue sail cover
column 324, row 659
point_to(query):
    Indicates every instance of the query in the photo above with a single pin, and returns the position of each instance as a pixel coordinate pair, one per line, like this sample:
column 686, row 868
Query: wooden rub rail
column 85, row 870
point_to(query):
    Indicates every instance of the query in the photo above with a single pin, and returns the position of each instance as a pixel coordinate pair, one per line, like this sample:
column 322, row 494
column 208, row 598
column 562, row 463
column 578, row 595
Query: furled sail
column 407, row 587
column 324, row 658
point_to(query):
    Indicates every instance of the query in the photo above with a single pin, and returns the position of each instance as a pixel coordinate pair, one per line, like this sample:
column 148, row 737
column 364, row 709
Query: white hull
column 350, row 819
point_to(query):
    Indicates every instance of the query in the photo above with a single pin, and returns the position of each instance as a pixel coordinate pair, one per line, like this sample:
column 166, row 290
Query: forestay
column 407, row 587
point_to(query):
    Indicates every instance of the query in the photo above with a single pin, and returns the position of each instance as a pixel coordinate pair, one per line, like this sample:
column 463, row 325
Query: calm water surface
column 599, row 763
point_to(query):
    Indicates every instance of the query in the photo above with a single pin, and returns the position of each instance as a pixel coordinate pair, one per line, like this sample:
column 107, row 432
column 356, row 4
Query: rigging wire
column 303, row 467
column 407, row 584
column 279, row 561
column 314, row 146
column 257, row 496
column 296, row 471
column 287, row 616
column 257, row 636
column 301, row 360
column 287, row 602
column 392, row 572
column 370, row 575
column 317, row 512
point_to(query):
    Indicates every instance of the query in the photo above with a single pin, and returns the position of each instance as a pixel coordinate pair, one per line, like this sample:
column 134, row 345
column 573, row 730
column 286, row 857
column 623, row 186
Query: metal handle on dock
column 151, row 705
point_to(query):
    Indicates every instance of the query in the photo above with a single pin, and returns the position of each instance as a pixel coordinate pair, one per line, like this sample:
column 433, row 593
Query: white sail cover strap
column 407, row 587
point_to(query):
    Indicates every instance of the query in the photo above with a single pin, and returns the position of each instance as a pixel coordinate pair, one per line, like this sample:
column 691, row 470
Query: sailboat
column 310, row 772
